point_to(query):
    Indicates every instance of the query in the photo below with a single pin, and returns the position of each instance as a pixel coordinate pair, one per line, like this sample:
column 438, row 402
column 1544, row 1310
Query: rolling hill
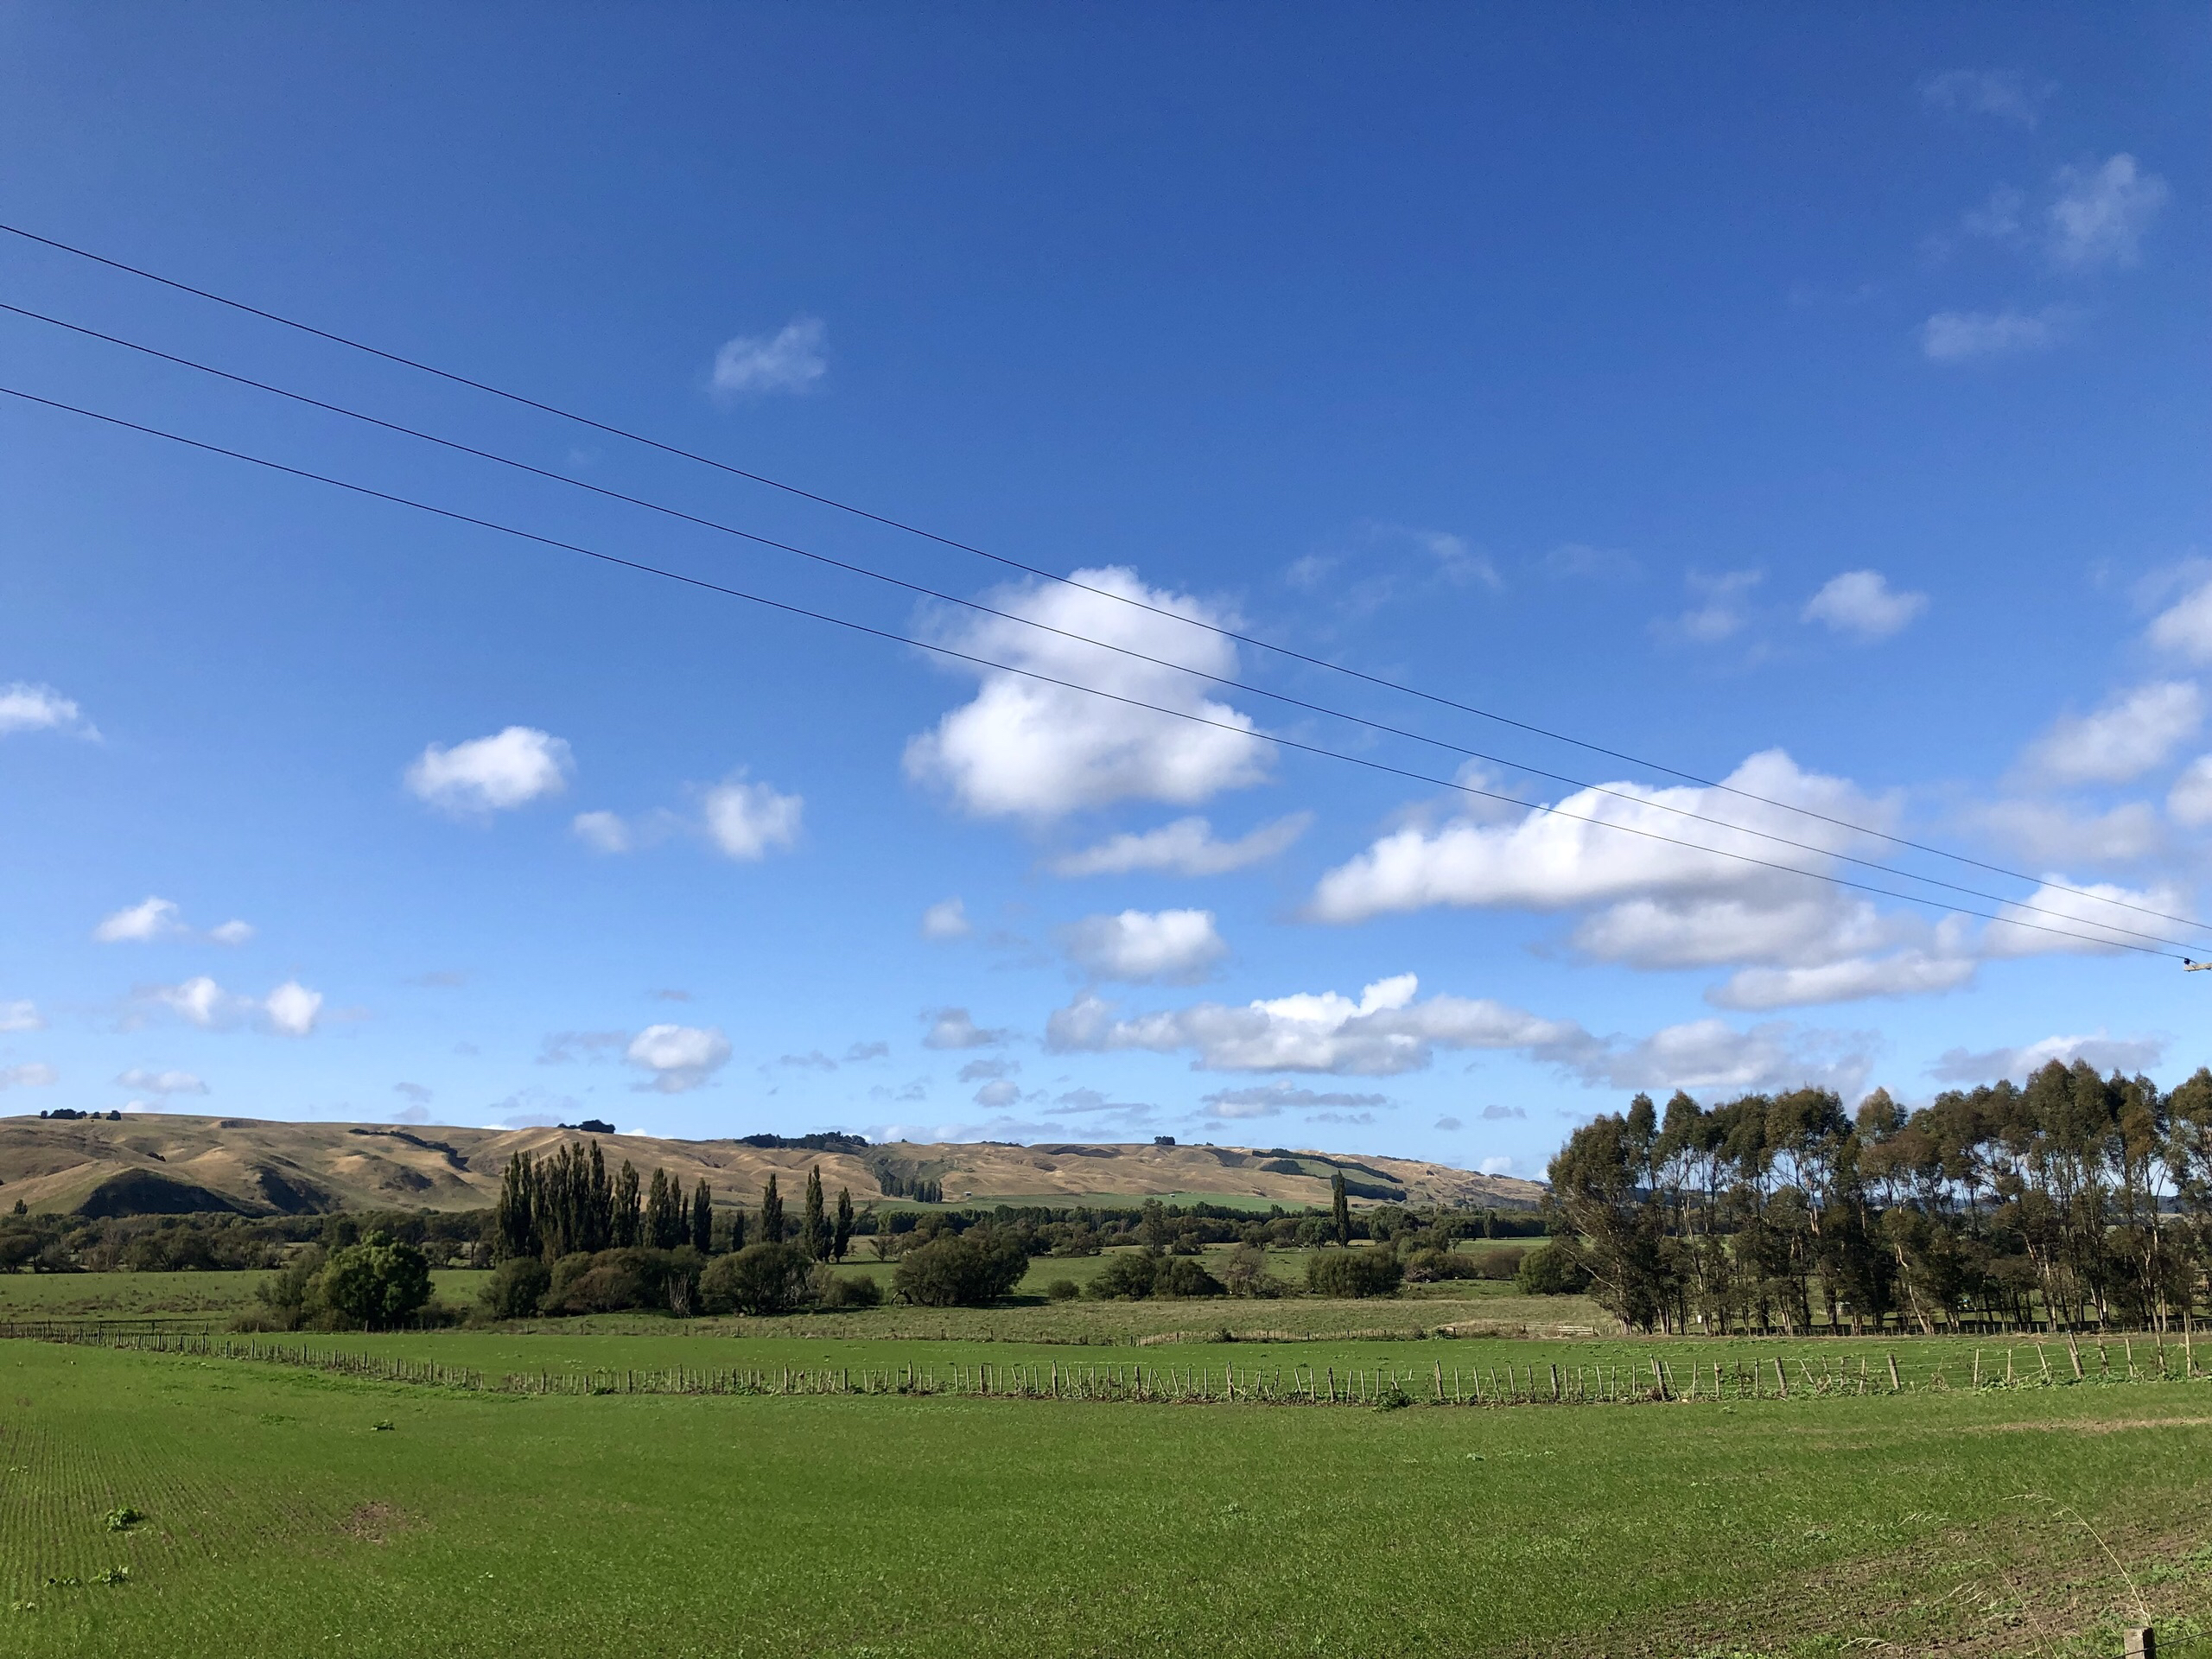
column 148, row 1164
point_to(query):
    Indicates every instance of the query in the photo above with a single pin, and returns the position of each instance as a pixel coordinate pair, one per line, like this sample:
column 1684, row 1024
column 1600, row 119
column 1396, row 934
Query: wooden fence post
column 2142, row 1643
column 1895, row 1387
column 1781, row 1379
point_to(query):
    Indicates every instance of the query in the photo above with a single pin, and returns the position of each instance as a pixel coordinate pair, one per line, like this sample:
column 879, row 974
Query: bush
column 516, row 1288
column 1181, row 1276
column 376, row 1283
column 961, row 1270
column 1501, row 1264
column 1426, row 1267
column 1552, row 1269
column 621, row 1280
column 1129, row 1275
column 1353, row 1272
column 845, row 1290
column 761, row 1278
column 1245, row 1274
column 607, row 1287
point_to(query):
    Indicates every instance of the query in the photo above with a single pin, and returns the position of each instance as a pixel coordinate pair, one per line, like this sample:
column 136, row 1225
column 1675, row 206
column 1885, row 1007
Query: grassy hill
column 154, row 1164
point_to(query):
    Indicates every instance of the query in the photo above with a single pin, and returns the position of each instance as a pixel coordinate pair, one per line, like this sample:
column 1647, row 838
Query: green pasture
column 289, row 1511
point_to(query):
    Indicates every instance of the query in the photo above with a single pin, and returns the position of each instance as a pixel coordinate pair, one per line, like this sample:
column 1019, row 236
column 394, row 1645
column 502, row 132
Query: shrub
column 845, row 1290
column 1552, row 1270
column 1500, row 1264
column 1245, row 1274
column 961, row 1270
column 1425, row 1267
column 516, row 1288
column 604, row 1287
column 1181, row 1276
column 761, row 1278
column 1129, row 1274
column 1064, row 1290
column 377, row 1282
column 1353, row 1272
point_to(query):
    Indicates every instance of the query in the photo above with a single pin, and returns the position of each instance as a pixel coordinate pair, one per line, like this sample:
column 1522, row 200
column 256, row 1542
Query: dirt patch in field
column 374, row 1523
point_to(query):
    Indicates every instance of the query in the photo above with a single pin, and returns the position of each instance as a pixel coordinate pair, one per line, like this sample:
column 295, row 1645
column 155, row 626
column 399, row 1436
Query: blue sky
column 1814, row 400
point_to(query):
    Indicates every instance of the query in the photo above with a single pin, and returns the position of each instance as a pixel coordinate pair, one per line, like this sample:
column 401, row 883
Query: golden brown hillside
column 146, row 1163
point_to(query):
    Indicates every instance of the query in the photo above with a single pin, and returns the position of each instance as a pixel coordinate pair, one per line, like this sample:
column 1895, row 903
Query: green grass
column 280, row 1519
column 192, row 1297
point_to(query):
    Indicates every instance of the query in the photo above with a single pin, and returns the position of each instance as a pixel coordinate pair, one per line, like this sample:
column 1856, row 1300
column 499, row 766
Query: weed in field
column 123, row 1517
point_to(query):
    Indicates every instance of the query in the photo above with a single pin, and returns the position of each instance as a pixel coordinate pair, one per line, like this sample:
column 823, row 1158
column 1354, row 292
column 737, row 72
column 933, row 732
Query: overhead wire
column 1255, row 641
column 978, row 660
column 977, row 606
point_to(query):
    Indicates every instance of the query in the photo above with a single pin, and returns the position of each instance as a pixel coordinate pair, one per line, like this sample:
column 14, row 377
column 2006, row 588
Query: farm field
column 280, row 1518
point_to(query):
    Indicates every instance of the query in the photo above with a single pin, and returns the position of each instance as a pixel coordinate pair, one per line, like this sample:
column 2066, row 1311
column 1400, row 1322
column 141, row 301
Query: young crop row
column 1650, row 1380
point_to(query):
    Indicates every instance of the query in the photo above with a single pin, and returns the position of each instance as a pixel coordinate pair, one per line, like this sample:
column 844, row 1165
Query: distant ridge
column 148, row 1163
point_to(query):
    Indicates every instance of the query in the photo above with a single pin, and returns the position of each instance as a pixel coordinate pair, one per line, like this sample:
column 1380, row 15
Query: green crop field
column 280, row 1518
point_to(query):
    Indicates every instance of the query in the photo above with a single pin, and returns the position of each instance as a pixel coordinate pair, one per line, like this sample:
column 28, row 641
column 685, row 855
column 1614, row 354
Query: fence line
column 1640, row 1381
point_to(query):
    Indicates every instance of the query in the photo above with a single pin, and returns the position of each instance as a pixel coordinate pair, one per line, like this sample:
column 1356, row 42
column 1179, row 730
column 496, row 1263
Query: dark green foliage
column 1353, row 1272
column 516, row 1287
column 1426, row 1266
column 1181, row 1276
column 1340, row 1208
column 1064, row 1290
column 814, row 1221
column 848, row 1290
column 376, row 1283
column 626, row 1228
column 616, row 1281
column 514, row 1217
column 771, row 1213
column 841, row 1232
column 961, row 1270
column 761, row 1278
column 1551, row 1270
column 666, row 1225
column 1245, row 1274
column 1128, row 1276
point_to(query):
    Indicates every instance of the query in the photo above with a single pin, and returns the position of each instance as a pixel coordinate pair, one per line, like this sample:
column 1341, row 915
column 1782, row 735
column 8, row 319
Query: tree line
column 2074, row 1201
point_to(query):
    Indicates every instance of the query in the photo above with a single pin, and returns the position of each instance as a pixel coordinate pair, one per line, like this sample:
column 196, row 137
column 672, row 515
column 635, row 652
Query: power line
column 1254, row 641
column 976, row 660
column 1066, row 634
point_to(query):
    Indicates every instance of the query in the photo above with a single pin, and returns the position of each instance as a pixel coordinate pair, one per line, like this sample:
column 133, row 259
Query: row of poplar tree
column 566, row 1204
column 2076, row 1201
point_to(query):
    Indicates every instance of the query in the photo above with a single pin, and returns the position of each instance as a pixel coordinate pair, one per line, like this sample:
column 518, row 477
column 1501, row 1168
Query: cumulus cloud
column 677, row 1057
column 946, row 919
column 2006, row 94
column 1724, row 610
column 1029, row 750
column 231, row 932
column 2102, row 1051
column 2128, row 737
column 999, row 1094
column 1384, row 1033
column 26, row 708
column 979, row 1071
column 1862, row 604
column 1449, row 1125
column 748, row 821
column 793, row 358
column 1978, row 336
column 952, row 1029
column 2190, row 801
column 2053, row 833
column 857, row 1052
column 2098, row 908
column 1710, row 1054
column 32, row 1074
column 1186, row 847
column 1500, row 1114
column 291, row 1008
column 21, row 1015
column 568, row 1047
column 1168, row 947
column 2185, row 626
column 1904, row 973
column 140, row 1080
column 148, row 919
column 509, row 769
column 2100, row 212
column 1267, row 1099
column 603, row 832
column 414, row 1092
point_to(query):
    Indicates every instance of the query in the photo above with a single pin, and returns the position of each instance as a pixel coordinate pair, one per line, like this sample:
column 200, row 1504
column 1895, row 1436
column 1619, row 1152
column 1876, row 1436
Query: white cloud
column 1385, row 1033
column 1458, row 561
column 199, row 1000
column 792, row 359
column 21, row 1016
column 1170, row 947
column 1906, row 973
column 1496, row 1165
column 749, row 821
column 998, row 1094
column 946, row 919
column 292, row 1008
column 1724, row 612
column 231, row 932
column 2100, row 212
column 1269, row 1099
column 2075, row 907
column 952, row 1029
column 1710, row 1054
column 2124, row 740
column 2051, row 833
column 1972, row 336
column 2104, row 1052
column 2004, row 94
column 2185, row 626
column 161, row 1082
column 33, row 1074
column 26, row 708
column 490, row 774
column 1186, row 847
column 1449, row 1125
column 1863, row 604
column 1026, row 749
column 2190, row 801
column 148, row 919
column 603, row 832
column 679, row 1057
